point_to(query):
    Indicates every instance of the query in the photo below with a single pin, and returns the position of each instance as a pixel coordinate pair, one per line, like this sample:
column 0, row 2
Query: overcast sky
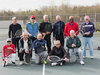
column 14, row 5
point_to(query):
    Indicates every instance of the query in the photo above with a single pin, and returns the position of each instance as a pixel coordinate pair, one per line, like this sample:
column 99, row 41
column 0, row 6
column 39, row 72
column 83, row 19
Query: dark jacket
column 39, row 44
column 55, row 28
column 60, row 52
column 21, row 44
column 75, row 41
column 42, row 27
column 88, row 28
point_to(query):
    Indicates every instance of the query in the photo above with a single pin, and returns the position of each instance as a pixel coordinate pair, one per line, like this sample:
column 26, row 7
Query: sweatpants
column 79, row 51
column 37, row 57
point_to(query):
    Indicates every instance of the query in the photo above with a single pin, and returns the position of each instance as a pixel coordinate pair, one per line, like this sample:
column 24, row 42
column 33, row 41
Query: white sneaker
column 22, row 62
column 53, row 64
column 91, row 57
column 84, row 57
column 82, row 63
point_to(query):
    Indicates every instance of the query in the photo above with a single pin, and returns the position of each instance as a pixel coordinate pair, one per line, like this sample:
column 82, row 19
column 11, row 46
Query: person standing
column 71, row 25
column 11, row 33
column 32, row 27
column 47, row 35
column 58, row 30
column 88, row 28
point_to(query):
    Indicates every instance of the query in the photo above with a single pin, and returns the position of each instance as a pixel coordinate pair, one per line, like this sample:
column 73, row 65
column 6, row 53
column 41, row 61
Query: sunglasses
column 8, row 41
column 57, row 44
column 32, row 18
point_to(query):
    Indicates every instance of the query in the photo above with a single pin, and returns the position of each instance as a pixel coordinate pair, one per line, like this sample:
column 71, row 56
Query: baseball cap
column 86, row 17
column 14, row 18
column 8, row 40
column 32, row 16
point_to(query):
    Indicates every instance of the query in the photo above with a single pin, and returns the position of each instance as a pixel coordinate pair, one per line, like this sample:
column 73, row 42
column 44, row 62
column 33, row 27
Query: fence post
column 95, row 20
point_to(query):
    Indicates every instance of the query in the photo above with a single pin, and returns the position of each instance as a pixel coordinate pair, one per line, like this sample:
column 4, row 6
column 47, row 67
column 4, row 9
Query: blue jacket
column 39, row 44
column 55, row 28
column 32, row 29
column 88, row 28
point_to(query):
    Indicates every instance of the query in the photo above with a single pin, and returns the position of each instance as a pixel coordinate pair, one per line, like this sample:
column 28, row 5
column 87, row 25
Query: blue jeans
column 89, row 41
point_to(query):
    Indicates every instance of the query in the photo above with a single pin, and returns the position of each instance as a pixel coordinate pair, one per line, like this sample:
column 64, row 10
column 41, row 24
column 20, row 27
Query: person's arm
column 14, row 50
column 63, row 28
column 79, row 42
column 3, row 55
column 40, row 28
column 77, row 29
column 9, row 32
column 92, row 31
column 20, row 46
column 67, row 44
column 66, row 30
column 42, row 43
column 36, row 45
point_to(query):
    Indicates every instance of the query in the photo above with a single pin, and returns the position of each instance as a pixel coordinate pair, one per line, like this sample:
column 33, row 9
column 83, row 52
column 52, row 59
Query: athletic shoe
column 92, row 57
column 22, row 62
column 61, row 64
column 13, row 63
column 84, row 57
column 53, row 64
column 82, row 63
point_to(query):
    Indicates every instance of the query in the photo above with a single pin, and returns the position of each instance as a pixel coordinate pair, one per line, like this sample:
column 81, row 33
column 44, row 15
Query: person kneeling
column 25, row 46
column 58, row 51
column 74, row 43
column 40, row 50
column 8, row 52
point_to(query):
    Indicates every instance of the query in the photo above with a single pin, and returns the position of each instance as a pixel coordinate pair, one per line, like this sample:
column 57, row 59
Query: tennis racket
column 55, row 59
column 18, row 33
column 48, row 28
column 81, row 31
column 7, row 52
column 39, row 51
column 73, row 57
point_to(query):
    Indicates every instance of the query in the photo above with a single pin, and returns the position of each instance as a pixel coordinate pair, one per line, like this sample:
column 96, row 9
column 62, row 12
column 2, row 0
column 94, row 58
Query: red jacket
column 68, row 28
column 3, row 51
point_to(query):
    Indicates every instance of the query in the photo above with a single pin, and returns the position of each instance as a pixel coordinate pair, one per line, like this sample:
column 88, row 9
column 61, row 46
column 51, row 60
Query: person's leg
column 37, row 59
column 48, row 40
column 21, row 54
column 45, row 55
column 62, row 40
column 13, row 56
column 80, row 52
column 14, row 42
column 90, row 44
column 70, row 51
column 17, row 45
column 84, row 40
column 6, row 60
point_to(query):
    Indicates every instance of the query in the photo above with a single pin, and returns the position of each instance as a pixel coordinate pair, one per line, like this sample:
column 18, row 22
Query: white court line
column 43, row 69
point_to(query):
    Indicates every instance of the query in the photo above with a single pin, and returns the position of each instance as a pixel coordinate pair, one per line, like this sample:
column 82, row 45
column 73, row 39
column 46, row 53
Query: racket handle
column 43, row 37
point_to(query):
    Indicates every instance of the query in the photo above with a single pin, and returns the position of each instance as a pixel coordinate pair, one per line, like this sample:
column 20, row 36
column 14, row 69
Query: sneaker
column 92, row 57
column 22, row 62
column 84, row 57
column 53, row 64
column 81, row 62
column 13, row 63
column 61, row 64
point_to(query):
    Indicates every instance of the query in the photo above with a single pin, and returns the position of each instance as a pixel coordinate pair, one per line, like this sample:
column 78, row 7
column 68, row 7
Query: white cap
column 8, row 39
column 14, row 18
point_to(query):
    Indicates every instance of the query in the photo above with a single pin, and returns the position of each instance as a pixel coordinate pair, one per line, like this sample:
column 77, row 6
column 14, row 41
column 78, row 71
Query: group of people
column 27, row 41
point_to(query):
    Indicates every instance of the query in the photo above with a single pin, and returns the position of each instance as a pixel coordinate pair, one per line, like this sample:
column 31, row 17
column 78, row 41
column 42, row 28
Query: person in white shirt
column 25, row 46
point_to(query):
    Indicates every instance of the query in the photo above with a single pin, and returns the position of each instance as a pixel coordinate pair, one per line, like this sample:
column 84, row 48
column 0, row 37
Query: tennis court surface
column 91, row 67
